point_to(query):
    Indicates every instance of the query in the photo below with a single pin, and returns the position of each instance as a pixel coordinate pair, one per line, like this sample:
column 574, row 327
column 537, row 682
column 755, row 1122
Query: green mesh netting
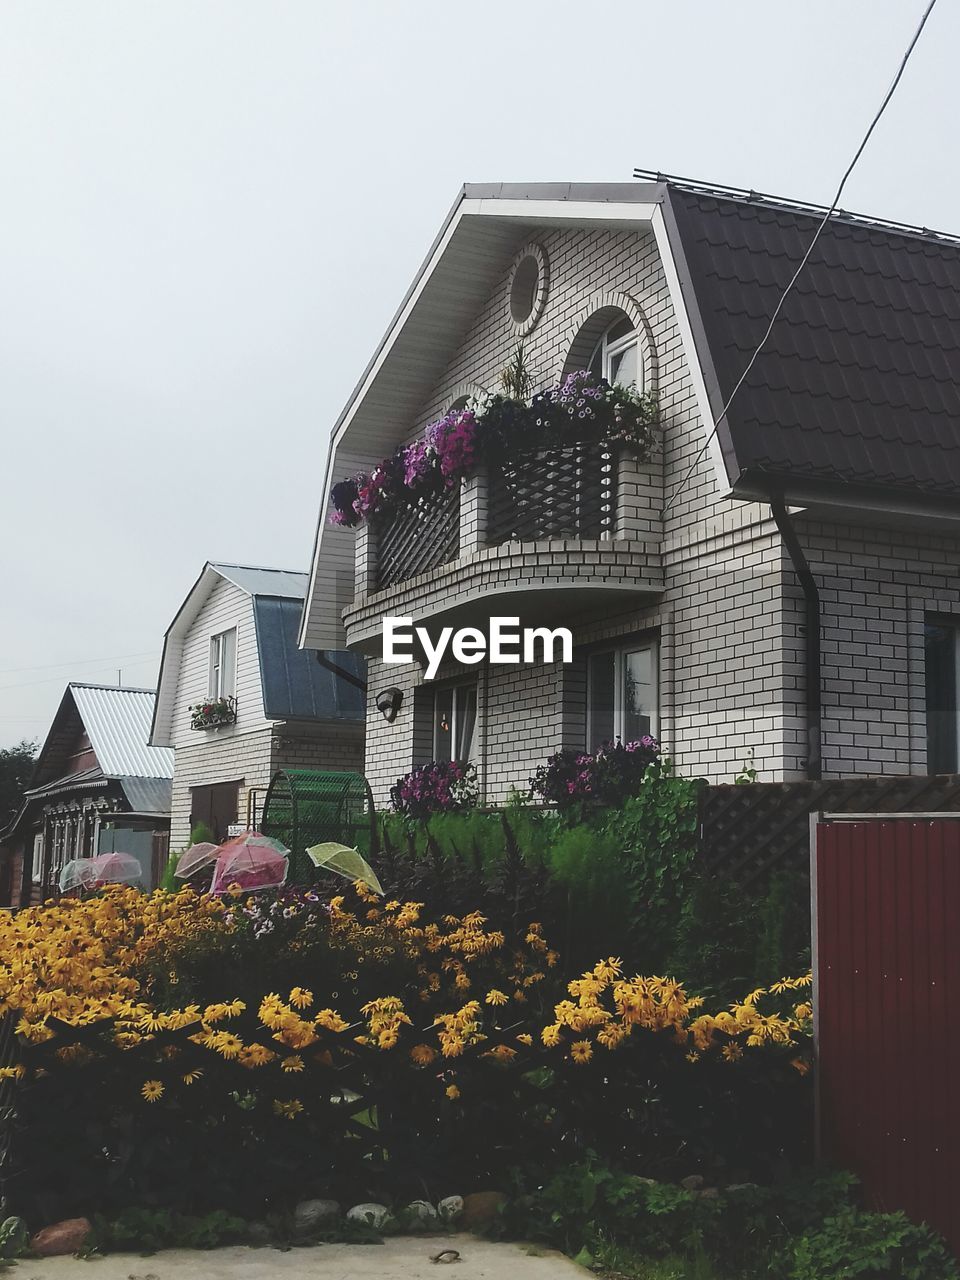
column 306, row 807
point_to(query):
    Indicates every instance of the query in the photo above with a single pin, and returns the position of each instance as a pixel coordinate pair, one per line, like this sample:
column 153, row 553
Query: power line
column 803, row 261
column 32, row 684
column 84, row 662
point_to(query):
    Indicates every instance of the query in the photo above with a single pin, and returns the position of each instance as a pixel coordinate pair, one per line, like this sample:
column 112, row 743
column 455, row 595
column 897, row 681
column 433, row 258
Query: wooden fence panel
column 886, row 979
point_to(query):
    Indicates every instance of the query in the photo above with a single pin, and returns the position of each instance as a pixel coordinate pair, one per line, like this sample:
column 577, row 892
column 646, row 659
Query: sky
column 210, row 210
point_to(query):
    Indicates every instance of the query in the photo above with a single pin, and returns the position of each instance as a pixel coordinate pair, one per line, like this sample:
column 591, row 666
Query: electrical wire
column 803, row 261
column 33, row 684
column 84, row 662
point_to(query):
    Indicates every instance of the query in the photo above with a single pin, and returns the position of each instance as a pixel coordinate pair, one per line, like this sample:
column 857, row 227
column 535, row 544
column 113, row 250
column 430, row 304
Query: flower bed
column 200, row 1054
column 581, row 409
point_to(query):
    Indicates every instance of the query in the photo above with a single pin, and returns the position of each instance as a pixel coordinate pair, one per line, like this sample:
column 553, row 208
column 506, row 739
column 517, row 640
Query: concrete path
column 400, row 1258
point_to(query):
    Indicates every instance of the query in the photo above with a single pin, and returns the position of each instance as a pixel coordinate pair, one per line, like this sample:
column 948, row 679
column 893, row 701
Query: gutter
column 811, row 596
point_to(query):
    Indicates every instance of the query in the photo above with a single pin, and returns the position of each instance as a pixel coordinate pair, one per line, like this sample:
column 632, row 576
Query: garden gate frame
column 885, row 907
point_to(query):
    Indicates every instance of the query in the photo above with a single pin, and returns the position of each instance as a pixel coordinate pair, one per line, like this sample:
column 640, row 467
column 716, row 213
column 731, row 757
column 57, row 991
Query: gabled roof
column 859, row 382
column 285, row 583
column 294, row 684
column 117, row 723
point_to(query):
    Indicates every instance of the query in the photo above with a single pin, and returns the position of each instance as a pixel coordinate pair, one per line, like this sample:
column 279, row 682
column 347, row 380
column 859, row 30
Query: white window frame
column 454, row 717
column 219, row 684
column 619, row 681
column 609, row 350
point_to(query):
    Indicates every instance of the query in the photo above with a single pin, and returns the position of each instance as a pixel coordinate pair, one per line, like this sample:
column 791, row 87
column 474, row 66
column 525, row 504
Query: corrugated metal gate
column 886, row 939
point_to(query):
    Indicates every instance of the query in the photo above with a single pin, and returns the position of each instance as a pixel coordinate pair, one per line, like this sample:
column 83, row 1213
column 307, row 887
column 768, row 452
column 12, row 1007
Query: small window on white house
column 454, row 722
column 942, row 669
column 622, row 695
column 616, row 356
column 223, row 665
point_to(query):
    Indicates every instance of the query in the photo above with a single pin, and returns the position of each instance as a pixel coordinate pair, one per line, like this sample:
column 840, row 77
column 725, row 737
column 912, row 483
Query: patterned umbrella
column 252, row 861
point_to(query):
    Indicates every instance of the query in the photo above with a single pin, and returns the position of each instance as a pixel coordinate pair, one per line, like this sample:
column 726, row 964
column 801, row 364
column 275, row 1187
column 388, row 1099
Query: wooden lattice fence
column 749, row 831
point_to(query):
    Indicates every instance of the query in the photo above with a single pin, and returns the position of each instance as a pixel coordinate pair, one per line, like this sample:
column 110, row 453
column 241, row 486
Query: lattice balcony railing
column 565, row 492
column 424, row 535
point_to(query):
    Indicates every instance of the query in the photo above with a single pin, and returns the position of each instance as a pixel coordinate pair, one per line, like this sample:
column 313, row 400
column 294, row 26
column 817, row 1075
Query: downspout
column 811, row 596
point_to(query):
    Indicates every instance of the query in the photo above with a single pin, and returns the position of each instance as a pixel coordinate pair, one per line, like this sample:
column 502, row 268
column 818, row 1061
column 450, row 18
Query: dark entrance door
column 216, row 806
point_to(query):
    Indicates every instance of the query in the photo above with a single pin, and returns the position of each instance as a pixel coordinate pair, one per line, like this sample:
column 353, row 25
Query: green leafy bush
column 869, row 1246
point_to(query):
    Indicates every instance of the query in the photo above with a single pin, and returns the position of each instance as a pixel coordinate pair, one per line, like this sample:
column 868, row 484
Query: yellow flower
column 525, row 1038
column 227, row 1044
column 191, row 1077
column 422, row 1055
column 732, row 1052
column 496, row 997
column 152, row 1090
column 502, row 1053
column 300, row 997
column 581, row 1051
column 287, row 1110
column 292, row 1063
column 551, row 1035
column 452, row 1092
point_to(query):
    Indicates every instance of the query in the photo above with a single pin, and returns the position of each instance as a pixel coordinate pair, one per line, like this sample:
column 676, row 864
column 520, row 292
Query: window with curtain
column 454, row 722
column 622, row 694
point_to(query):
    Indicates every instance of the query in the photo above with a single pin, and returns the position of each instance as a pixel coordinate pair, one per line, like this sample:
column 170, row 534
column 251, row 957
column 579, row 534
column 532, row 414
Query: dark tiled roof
column 859, row 382
column 295, row 685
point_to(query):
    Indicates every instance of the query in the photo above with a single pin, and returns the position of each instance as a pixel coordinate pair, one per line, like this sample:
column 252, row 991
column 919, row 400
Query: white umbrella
column 80, row 873
column 195, row 859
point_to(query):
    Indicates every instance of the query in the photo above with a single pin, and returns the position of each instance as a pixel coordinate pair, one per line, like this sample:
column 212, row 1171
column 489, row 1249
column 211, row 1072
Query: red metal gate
column 886, row 902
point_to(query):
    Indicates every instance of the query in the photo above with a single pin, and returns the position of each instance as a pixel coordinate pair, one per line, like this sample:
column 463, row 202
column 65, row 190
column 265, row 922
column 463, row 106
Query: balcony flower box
column 213, row 713
column 500, row 429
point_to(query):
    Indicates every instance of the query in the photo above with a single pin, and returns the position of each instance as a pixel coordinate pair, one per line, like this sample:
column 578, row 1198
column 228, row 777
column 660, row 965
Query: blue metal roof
column 295, row 685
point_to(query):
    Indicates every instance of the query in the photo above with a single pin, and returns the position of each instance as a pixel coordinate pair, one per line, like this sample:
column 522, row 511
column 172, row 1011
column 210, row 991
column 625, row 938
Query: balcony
column 549, row 535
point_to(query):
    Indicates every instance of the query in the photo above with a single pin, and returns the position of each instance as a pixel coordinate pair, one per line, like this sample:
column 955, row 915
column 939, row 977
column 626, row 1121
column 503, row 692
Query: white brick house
column 234, row 638
column 848, row 429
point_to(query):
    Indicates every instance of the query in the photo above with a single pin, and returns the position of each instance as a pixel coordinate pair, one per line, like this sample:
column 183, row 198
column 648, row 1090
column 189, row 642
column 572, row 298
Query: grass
column 615, row 1263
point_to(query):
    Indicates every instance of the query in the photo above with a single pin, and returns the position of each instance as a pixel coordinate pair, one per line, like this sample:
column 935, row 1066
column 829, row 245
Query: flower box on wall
column 213, row 713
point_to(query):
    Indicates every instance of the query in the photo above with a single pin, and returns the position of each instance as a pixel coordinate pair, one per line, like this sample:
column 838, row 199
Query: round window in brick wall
column 527, row 288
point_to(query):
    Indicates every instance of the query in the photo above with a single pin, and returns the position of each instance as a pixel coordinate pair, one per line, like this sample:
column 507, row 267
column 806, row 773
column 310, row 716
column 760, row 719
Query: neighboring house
column 233, row 647
column 97, row 787
column 825, row 505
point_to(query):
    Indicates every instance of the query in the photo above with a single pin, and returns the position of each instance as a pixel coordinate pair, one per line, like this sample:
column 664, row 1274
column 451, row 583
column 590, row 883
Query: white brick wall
column 725, row 603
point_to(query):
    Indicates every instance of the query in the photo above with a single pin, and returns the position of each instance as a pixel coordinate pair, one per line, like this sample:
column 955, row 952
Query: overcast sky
column 209, row 211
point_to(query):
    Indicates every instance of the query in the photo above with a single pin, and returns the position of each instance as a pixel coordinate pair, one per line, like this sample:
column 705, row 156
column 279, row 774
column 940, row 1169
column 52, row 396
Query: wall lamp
column 388, row 703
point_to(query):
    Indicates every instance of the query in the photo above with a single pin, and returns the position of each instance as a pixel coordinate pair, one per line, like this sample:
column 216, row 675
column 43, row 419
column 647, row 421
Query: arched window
column 616, row 355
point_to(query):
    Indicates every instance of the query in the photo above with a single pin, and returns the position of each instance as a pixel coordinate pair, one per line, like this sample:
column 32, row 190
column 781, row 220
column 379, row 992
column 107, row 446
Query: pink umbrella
column 195, row 859
column 116, row 868
column 251, row 861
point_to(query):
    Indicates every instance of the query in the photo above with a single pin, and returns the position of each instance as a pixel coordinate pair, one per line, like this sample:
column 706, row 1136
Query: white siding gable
column 226, row 606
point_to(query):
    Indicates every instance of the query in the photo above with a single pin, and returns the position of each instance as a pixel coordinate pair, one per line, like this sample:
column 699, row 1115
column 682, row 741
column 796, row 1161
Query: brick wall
column 706, row 581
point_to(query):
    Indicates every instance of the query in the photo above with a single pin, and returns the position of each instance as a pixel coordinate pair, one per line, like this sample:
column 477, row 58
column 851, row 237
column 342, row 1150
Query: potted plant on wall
column 213, row 713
